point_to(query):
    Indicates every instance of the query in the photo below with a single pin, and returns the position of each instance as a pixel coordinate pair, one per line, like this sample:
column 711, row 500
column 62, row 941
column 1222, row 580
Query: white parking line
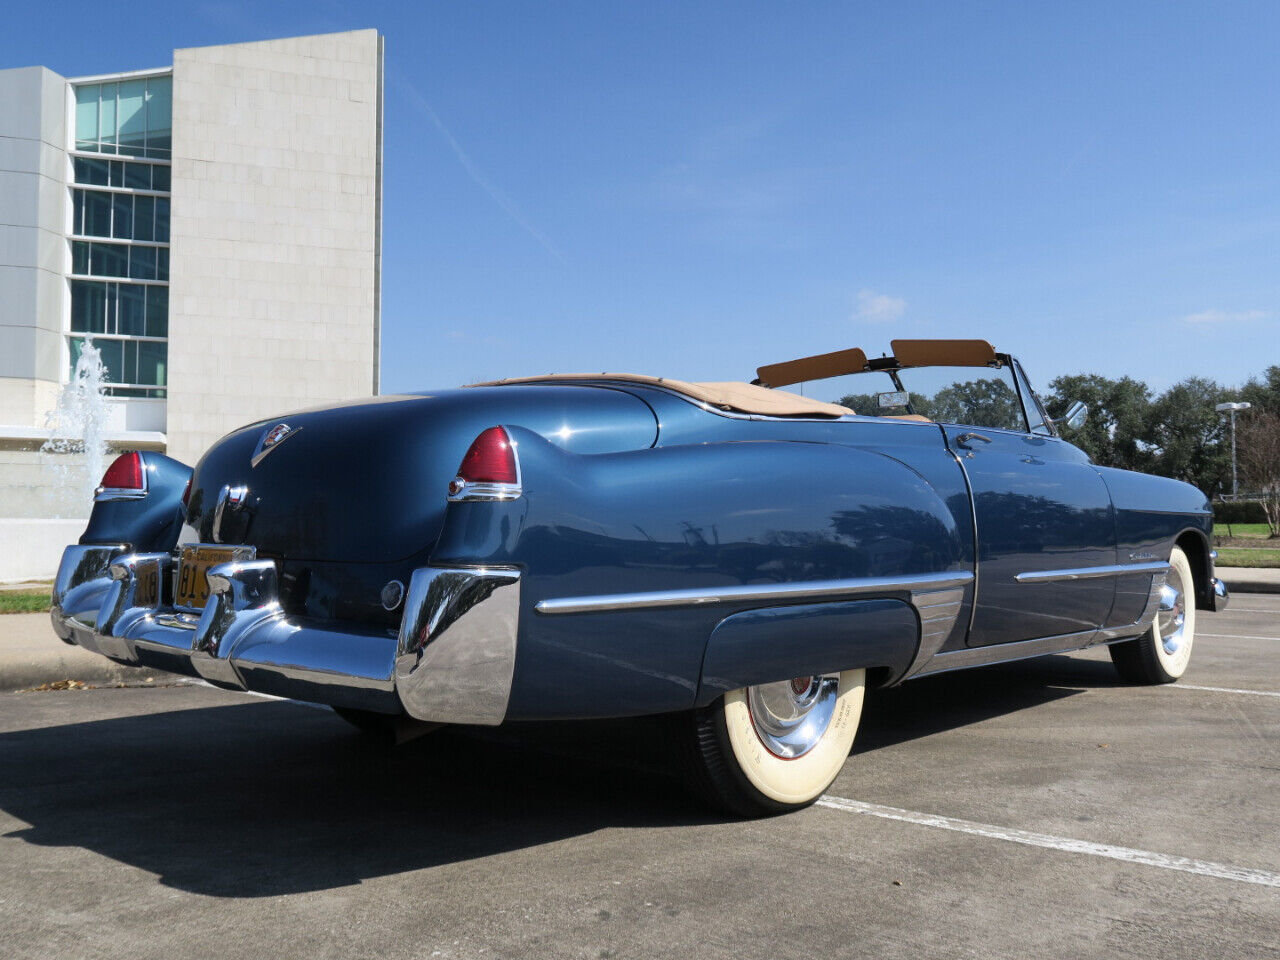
column 1204, row 868
column 1234, row 636
column 1192, row 686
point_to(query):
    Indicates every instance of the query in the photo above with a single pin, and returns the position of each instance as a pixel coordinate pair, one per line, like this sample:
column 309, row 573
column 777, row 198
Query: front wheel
column 775, row 747
column 1161, row 654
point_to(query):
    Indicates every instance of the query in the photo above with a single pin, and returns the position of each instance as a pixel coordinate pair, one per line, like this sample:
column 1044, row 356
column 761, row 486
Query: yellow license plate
column 192, row 588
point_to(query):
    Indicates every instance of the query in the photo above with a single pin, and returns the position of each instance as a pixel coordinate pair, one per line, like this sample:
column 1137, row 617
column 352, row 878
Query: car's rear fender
column 149, row 522
column 716, row 529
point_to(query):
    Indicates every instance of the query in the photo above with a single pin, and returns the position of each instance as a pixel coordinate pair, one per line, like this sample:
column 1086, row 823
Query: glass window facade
column 135, row 175
column 119, row 309
column 120, row 231
column 138, row 363
column 130, row 117
column 137, row 262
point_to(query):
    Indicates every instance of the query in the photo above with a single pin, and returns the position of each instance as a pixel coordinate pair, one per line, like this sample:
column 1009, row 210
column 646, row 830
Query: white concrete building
column 214, row 226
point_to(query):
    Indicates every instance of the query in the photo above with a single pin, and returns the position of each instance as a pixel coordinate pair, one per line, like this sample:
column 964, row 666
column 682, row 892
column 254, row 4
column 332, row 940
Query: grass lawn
column 1247, row 557
column 1259, row 530
column 24, row 601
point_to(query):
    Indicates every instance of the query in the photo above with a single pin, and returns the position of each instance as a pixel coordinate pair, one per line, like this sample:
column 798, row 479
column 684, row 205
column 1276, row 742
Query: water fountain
column 77, row 442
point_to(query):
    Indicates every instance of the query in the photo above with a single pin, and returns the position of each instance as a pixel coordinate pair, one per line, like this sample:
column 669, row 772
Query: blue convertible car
column 605, row 545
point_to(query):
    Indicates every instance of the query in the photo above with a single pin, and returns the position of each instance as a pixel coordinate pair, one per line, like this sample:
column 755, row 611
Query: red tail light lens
column 125, row 473
column 186, row 492
column 489, row 471
column 491, row 459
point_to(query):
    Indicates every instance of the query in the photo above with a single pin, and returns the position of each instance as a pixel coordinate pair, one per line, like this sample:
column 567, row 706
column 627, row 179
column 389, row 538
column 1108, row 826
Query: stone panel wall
column 33, row 212
column 274, row 271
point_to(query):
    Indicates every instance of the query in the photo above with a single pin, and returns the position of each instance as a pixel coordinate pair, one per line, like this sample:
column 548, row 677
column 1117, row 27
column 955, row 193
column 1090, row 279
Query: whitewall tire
column 1162, row 654
column 776, row 747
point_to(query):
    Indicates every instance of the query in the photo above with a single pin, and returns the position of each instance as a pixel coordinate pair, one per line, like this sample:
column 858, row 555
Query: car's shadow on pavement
column 947, row 701
column 261, row 799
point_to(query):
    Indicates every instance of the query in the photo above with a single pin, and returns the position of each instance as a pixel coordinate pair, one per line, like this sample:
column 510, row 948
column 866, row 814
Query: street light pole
column 1233, row 409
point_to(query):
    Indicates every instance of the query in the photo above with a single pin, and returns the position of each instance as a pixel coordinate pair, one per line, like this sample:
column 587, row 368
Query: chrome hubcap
column 791, row 716
column 1171, row 618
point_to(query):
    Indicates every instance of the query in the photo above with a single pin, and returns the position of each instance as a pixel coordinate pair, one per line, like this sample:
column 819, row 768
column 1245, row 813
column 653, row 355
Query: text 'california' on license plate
column 192, row 588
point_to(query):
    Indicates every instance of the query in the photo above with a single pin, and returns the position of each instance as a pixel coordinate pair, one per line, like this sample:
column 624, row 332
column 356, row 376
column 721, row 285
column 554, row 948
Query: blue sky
column 693, row 189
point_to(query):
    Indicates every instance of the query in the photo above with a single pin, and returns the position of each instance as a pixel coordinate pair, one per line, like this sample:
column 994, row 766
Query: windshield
column 974, row 396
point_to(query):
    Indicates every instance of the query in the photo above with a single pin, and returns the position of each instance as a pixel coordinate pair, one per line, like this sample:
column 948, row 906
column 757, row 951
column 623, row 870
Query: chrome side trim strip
column 1090, row 573
column 809, row 590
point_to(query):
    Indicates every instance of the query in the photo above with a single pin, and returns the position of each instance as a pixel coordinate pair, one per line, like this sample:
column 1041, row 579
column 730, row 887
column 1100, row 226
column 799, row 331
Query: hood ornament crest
column 271, row 438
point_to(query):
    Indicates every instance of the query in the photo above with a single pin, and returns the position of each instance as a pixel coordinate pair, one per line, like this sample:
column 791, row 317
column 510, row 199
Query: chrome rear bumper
column 452, row 660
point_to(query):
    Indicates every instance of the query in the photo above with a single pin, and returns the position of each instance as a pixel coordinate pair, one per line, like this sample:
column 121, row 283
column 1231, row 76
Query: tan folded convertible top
column 761, row 398
column 739, row 397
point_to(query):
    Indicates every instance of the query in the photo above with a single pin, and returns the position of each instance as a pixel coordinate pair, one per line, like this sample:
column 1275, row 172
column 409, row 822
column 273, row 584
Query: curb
column 1250, row 586
column 1249, row 580
column 30, row 656
column 25, row 676
column 31, row 673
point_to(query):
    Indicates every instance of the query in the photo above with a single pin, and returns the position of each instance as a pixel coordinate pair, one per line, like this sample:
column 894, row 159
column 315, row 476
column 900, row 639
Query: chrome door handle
column 964, row 438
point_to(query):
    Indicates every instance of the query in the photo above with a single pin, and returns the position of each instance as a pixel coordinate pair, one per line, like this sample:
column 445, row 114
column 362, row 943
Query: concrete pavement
column 1036, row 809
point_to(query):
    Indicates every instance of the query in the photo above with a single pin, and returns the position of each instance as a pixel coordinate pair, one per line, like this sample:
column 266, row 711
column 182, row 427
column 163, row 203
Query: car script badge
column 270, row 439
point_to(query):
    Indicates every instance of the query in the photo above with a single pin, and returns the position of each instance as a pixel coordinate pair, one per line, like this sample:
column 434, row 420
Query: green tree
column 981, row 403
column 1263, row 393
column 1115, row 434
column 1191, row 441
column 865, row 404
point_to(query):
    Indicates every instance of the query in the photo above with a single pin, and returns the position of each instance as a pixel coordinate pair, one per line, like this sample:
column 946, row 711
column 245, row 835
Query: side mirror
column 1075, row 416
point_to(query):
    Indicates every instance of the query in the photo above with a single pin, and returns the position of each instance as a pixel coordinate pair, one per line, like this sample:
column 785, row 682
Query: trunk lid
column 365, row 482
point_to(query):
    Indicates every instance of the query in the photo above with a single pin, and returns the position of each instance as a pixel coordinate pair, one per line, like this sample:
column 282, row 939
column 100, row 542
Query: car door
column 1042, row 515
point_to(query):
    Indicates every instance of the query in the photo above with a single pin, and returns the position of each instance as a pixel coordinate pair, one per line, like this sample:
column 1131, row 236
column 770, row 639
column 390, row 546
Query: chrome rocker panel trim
column 453, row 660
column 1065, row 643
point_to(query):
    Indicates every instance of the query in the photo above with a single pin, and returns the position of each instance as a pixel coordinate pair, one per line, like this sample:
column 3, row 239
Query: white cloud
column 878, row 307
column 1225, row 316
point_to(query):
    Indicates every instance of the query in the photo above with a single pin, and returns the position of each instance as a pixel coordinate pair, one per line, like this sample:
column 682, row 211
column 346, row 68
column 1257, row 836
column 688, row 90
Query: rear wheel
column 775, row 747
column 1161, row 654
